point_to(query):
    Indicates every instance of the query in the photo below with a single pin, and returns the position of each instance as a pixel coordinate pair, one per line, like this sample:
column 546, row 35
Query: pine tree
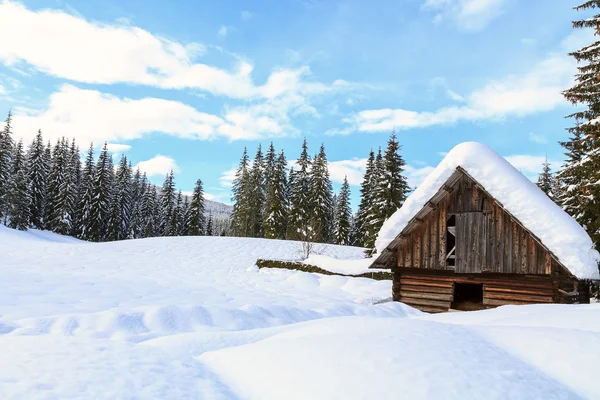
column 194, row 223
column 299, row 222
column 582, row 178
column 37, row 176
column 138, row 190
column 18, row 196
column 102, row 194
column 150, row 211
column 343, row 215
column 391, row 187
column 86, row 195
column 366, row 211
column 57, row 183
column 6, row 160
column 241, row 216
column 321, row 199
column 209, row 226
column 276, row 204
column 257, row 194
column 177, row 222
column 121, row 203
column 167, row 206
column 183, row 215
column 545, row 179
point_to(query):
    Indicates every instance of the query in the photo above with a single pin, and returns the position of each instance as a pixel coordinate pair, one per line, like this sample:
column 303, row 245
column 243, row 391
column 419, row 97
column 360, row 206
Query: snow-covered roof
column 560, row 233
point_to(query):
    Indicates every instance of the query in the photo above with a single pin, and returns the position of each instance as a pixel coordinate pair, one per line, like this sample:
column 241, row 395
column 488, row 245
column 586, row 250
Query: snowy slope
column 521, row 197
column 193, row 318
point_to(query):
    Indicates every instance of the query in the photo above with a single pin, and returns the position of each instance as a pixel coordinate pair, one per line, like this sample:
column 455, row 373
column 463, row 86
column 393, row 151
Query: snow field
column 193, row 318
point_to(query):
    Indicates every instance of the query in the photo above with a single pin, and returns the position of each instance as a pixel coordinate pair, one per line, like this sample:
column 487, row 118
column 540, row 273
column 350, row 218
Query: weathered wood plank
column 496, row 302
column 427, row 289
column 417, row 248
column 433, row 239
column 408, row 254
column 422, row 295
column 518, row 290
column 442, row 234
column 501, row 240
column 547, row 263
column 532, row 256
column 517, row 297
column 425, row 302
column 415, row 282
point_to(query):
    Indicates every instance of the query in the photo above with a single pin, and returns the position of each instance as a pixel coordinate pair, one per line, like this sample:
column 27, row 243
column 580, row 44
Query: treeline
column 276, row 202
column 49, row 187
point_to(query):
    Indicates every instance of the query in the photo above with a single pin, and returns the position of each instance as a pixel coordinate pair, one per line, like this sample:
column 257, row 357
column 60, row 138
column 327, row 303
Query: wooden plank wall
column 434, row 292
column 491, row 240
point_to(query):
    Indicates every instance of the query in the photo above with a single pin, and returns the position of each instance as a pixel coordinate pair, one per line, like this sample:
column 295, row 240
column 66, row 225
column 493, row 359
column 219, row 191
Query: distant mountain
column 217, row 208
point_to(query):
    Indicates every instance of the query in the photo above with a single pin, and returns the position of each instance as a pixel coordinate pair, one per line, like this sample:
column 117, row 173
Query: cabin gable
column 465, row 231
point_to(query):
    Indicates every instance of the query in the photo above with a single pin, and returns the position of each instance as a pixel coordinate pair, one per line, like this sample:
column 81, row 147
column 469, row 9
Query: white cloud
column 158, row 165
column 227, row 177
column 222, row 31
column 353, row 169
column 530, row 165
column 2, row 90
column 107, row 54
column 246, row 15
column 468, row 15
column 118, row 147
column 535, row 138
column 92, row 116
column 416, row 175
column 536, row 91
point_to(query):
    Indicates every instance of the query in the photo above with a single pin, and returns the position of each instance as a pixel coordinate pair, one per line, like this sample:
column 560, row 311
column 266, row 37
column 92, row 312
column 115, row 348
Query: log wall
column 434, row 291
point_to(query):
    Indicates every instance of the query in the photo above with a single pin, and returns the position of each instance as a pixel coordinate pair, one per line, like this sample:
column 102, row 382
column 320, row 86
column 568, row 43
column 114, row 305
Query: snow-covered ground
column 193, row 318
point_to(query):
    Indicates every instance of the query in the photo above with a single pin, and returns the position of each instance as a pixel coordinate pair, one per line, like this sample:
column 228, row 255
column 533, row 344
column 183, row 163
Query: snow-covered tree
column 138, row 190
column 321, row 198
column 209, row 226
column 257, row 194
column 276, row 205
column 121, row 203
column 168, row 198
column 37, row 176
column 86, row 195
column 343, row 214
column 546, row 178
column 242, row 211
column 6, row 159
column 177, row 222
column 366, row 213
column 102, row 194
column 194, row 223
column 18, row 196
column 581, row 174
column 150, row 211
column 58, row 217
column 299, row 221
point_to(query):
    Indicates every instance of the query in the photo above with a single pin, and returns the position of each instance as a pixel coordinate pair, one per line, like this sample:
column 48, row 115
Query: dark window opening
column 451, row 241
column 468, row 297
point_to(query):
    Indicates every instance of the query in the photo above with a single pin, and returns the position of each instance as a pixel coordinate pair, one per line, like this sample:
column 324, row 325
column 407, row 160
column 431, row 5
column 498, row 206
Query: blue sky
column 188, row 84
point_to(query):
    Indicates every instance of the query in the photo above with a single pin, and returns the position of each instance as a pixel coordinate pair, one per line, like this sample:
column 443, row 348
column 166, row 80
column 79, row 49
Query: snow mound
column 342, row 266
column 522, row 198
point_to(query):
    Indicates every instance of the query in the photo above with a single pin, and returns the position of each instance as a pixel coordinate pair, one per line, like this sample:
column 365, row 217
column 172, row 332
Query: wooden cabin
column 463, row 250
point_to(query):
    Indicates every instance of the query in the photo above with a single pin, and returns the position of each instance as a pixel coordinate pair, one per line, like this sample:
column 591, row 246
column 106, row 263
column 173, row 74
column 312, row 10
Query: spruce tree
column 241, row 223
column 391, row 188
column 276, row 204
column 102, row 194
column 194, row 223
column 6, row 160
column 150, row 210
column 138, row 189
column 209, row 226
column 257, row 194
column 580, row 199
column 86, row 195
column 321, row 199
column 18, row 196
column 168, row 199
column 366, row 211
column 37, row 176
column 121, row 203
column 545, row 179
column 177, row 222
column 57, row 183
column 299, row 222
column 343, row 215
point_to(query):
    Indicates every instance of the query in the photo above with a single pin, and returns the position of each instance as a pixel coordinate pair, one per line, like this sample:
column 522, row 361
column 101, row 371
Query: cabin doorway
column 467, row 297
